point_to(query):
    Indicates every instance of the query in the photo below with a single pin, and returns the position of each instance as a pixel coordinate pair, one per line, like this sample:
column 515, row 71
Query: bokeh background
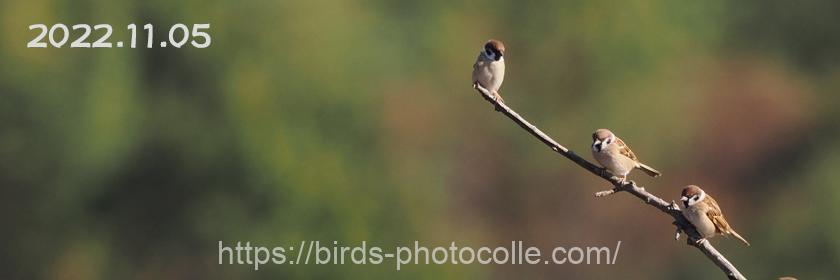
column 355, row 120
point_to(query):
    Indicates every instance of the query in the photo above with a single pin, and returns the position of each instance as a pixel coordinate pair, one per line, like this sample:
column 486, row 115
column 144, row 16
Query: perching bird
column 704, row 213
column 489, row 68
column 616, row 156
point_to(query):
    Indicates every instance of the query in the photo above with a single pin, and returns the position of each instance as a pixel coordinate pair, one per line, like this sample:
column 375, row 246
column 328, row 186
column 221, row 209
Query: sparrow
column 704, row 213
column 489, row 68
column 616, row 156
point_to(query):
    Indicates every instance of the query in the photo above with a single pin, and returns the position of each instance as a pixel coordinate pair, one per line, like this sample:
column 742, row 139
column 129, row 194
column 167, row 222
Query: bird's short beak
column 684, row 198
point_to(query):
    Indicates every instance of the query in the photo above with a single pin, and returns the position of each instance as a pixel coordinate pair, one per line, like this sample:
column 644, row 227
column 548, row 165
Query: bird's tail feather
column 649, row 170
column 739, row 237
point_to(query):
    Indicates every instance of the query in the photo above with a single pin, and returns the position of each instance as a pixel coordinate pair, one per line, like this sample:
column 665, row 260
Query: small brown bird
column 616, row 156
column 704, row 213
column 489, row 68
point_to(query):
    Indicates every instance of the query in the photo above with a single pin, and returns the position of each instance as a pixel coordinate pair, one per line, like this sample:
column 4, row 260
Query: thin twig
column 672, row 209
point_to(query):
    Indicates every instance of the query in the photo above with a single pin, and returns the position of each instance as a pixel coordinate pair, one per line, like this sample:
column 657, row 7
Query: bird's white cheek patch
column 691, row 202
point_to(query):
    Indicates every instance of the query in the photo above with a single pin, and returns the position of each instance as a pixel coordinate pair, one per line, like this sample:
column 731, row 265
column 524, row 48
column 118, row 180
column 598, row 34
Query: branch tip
column 605, row 193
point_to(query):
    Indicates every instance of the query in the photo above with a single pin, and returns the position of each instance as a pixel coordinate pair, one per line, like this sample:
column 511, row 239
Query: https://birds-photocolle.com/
column 704, row 213
column 489, row 68
column 614, row 155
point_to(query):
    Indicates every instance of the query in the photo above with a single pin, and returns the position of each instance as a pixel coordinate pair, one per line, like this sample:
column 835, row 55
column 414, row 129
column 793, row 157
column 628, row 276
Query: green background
column 355, row 120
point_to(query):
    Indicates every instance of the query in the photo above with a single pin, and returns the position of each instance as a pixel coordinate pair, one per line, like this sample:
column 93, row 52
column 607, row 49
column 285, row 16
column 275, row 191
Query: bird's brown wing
column 716, row 216
column 721, row 226
column 625, row 150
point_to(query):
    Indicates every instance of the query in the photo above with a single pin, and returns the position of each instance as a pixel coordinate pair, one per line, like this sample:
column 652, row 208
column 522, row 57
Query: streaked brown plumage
column 614, row 155
column 704, row 213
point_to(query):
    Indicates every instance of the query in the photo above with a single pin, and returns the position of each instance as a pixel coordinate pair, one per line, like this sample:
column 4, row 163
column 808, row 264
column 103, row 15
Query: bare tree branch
column 671, row 208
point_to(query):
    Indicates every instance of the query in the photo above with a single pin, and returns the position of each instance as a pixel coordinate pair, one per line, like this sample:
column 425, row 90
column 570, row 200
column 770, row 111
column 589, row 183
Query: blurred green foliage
column 355, row 120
